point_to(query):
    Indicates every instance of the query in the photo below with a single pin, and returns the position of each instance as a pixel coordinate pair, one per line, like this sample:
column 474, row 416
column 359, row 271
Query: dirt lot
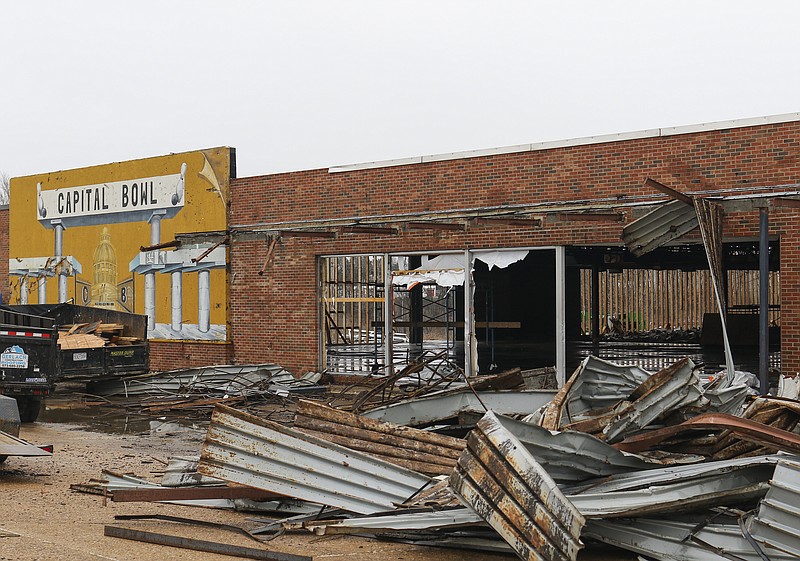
column 42, row 519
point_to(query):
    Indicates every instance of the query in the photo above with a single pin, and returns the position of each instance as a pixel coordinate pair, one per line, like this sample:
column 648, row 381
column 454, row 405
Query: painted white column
column 204, row 300
column 150, row 299
column 150, row 277
column 177, row 300
column 388, row 313
column 561, row 316
column 470, row 351
column 155, row 229
column 23, row 290
column 42, row 285
column 59, row 252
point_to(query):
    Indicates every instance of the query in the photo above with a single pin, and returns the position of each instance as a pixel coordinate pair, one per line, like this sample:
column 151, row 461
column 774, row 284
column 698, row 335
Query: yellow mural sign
column 101, row 236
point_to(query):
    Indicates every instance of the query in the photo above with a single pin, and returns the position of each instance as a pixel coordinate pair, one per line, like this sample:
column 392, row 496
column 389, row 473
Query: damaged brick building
column 497, row 256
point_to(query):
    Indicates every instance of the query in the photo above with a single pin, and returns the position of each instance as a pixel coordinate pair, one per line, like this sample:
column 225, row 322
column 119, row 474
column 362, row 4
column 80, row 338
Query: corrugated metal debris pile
column 667, row 466
column 198, row 390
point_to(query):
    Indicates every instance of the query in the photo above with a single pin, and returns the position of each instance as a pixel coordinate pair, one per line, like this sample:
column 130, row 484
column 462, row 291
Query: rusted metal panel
column 660, row 226
column 439, row 495
column 251, row 451
column 191, row 493
column 744, row 428
column 778, row 413
column 507, row 487
column 415, row 449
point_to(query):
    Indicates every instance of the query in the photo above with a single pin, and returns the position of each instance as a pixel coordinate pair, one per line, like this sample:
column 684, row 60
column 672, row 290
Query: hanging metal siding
column 667, row 222
column 505, row 485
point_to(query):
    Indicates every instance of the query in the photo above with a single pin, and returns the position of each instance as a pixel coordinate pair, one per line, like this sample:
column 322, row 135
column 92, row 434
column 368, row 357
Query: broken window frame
column 470, row 340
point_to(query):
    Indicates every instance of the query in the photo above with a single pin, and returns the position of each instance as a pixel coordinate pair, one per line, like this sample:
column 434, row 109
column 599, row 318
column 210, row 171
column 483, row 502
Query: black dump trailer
column 92, row 364
column 29, row 362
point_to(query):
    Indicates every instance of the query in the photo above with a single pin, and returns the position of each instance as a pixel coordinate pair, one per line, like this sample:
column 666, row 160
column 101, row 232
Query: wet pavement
column 112, row 419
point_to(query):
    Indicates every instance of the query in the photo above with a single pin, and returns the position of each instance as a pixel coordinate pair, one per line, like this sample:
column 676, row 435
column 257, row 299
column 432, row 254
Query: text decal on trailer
column 14, row 357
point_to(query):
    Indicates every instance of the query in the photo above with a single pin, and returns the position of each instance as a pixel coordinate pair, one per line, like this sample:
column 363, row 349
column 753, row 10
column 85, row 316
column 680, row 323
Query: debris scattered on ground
column 670, row 465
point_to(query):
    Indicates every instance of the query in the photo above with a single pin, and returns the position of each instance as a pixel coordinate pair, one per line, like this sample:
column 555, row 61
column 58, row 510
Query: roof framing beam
column 306, row 234
column 591, row 216
column 368, row 230
column 434, row 226
column 494, row 221
column 660, row 187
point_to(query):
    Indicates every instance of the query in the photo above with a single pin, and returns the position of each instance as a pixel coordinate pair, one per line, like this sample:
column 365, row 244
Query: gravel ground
column 42, row 519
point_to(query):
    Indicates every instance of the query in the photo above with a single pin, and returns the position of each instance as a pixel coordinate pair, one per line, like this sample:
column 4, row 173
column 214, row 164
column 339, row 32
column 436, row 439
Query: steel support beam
column 469, row 331
column 561, row 316
column 595, row 306
column 388, row 316
column 763, row 301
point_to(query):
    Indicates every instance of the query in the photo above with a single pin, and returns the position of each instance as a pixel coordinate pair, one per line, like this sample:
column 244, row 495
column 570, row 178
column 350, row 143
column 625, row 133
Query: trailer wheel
column 29, row 408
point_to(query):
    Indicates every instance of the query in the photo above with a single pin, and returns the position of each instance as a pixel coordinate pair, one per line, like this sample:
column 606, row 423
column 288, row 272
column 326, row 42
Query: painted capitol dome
column 104, row 279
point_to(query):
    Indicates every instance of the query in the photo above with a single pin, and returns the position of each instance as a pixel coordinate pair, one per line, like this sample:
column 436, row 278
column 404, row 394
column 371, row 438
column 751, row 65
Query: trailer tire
column 29, row 408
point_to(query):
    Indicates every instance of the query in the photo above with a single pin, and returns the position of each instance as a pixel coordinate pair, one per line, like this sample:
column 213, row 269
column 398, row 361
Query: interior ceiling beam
column 785, row 203
column 368, row 230
column 492, row 221
column 591, row 216
column 306, row 234
column 434, row 226
column 660, row 187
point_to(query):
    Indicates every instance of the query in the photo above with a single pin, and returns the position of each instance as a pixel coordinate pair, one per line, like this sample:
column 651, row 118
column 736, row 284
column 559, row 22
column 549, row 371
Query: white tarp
column 501, row 258
column 448, row 269
column 444, row 270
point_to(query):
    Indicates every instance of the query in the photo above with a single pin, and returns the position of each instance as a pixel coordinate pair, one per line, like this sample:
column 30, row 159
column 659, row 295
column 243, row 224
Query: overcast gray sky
column 300, row 85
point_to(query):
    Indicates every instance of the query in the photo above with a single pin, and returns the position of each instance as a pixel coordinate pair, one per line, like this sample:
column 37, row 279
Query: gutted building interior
column 646, row 310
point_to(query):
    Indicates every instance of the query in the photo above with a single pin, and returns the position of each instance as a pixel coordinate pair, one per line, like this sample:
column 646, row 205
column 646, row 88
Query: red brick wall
column 4, row 287
column 790, row 291
column 274, row 316
column 175, row 355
